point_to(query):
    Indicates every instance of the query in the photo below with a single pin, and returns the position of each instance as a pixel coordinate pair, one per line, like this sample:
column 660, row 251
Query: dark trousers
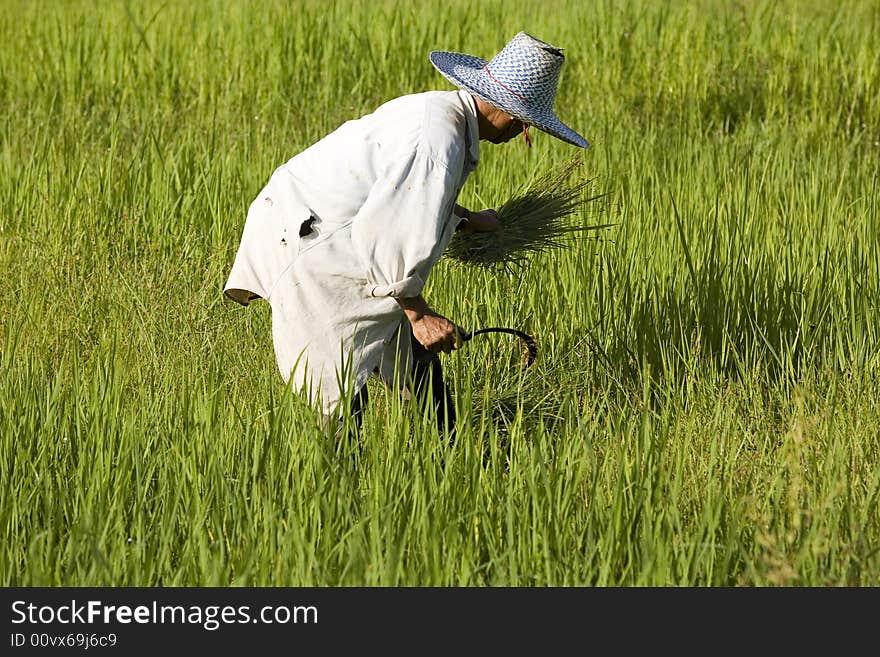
column 428, row 387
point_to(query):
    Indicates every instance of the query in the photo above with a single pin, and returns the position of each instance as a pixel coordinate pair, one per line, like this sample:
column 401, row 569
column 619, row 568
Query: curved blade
column 527, row 339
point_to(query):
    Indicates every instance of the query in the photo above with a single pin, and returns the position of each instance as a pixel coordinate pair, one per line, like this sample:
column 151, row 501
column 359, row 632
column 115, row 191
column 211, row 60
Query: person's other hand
column 484, row 221
column 436, row 333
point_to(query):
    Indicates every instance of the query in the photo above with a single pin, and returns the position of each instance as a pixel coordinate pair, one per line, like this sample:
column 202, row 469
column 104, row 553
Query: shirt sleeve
column 401, row 230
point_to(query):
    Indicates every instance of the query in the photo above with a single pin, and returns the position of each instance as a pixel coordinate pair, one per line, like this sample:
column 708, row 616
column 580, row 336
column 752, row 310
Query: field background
column 704, row 409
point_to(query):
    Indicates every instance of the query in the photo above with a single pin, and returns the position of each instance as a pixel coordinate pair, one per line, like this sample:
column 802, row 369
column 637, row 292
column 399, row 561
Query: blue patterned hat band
column 520, row 80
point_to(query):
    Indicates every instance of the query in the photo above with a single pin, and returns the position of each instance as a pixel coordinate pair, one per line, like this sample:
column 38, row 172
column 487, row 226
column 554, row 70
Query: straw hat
column 520, row 80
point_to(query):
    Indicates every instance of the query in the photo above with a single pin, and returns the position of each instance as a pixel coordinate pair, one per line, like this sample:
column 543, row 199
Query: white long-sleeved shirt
column 348, row 224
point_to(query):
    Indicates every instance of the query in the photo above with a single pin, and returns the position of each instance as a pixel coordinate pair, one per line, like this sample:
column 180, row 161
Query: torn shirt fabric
column 347, row 225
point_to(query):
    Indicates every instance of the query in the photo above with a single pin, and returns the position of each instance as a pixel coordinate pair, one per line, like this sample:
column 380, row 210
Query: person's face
column 508, row 128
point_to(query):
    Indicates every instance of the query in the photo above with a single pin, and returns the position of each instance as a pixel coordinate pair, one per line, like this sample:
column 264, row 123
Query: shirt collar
column 473, row 126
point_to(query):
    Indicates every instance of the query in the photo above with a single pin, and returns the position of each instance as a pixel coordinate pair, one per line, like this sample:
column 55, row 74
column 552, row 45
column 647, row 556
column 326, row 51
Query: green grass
column 704, row 409
column 535, row 221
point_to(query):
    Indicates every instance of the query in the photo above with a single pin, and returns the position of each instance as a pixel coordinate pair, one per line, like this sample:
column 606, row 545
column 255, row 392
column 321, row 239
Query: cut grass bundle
column 531, row 223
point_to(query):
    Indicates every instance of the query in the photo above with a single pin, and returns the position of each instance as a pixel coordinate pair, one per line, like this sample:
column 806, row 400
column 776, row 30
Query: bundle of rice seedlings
column 531, row 223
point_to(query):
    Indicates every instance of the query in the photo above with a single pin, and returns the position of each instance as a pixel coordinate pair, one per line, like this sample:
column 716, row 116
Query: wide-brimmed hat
column 520, row 80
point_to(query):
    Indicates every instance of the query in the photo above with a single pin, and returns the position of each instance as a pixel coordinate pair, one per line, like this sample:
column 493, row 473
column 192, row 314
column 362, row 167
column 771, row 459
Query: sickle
column 525, row 337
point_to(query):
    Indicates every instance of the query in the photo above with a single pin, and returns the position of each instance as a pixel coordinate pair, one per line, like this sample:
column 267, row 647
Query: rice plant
column 705, row 406
column 537, row 221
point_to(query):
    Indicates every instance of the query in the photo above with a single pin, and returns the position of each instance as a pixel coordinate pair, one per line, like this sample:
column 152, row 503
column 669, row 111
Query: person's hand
column 436, row 333
column 484, row 221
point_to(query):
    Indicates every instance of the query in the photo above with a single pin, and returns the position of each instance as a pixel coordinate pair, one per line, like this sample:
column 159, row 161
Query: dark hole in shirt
column 306, row 227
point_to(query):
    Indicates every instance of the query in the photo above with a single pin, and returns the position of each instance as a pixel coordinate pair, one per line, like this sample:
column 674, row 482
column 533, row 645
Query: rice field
column 704, row 409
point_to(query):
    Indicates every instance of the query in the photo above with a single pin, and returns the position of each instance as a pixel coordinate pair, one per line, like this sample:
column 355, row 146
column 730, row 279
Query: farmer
column 344, row 235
